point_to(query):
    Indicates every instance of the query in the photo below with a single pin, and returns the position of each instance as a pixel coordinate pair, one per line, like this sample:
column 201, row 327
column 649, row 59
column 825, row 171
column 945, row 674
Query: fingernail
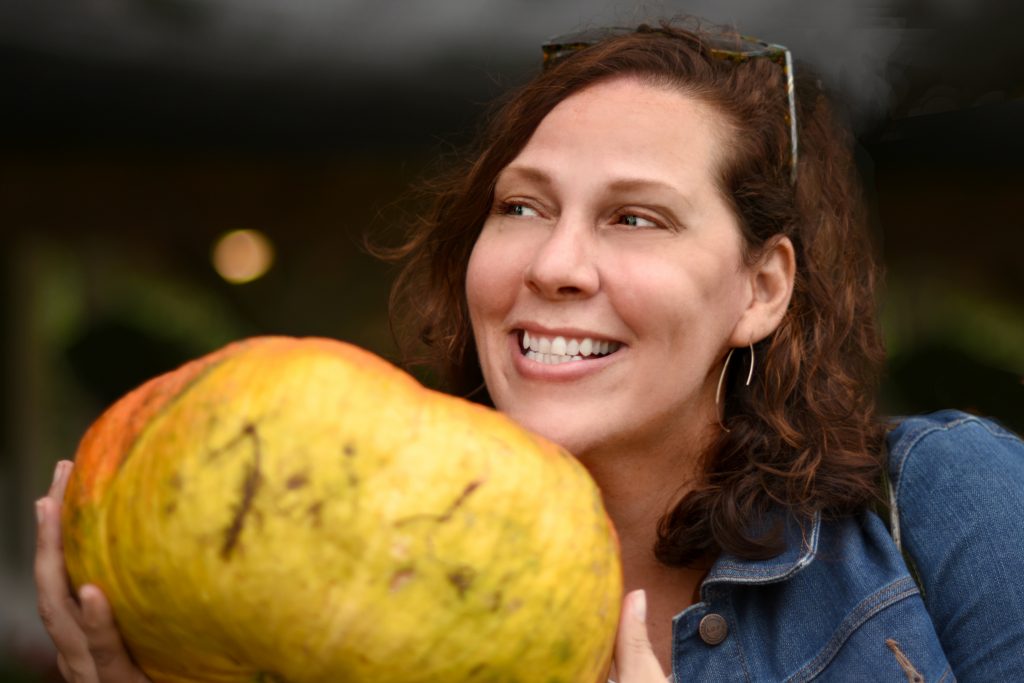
column 40, row 511
column 85, row 601
column 56, row 472
column 640, row 605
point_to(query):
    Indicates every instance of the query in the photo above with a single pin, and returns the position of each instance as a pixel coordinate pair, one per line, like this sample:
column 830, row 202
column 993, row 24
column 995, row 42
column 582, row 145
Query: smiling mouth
column 555, row 350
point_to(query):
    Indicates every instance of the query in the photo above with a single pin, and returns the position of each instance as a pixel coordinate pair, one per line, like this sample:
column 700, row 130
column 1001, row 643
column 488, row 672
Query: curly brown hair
column 804, row 436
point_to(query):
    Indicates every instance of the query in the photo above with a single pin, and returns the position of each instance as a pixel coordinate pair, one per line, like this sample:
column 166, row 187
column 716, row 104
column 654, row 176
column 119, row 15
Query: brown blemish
column 297, row 481
column 170, row 508
column 400, row 578
column 315, row 511
column 176, row 482
column 462, row 579
column 250, row 485
column 349, row 449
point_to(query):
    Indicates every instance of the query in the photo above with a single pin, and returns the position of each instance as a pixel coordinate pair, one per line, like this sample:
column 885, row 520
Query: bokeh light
column 242, row 256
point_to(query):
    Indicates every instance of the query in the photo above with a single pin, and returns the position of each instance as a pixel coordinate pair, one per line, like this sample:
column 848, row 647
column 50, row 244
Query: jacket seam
column 739, row 643
column 897, row 591
column 908, row 443
column 740, row 574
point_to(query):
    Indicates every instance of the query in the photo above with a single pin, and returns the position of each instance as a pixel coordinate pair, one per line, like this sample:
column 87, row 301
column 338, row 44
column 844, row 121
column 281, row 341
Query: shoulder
column 959, row 486
column 953, row 448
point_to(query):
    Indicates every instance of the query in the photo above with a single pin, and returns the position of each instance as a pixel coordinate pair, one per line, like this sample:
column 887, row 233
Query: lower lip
column 562, row 372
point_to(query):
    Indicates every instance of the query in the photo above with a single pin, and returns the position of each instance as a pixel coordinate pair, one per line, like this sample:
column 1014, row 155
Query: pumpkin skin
column 301, row 511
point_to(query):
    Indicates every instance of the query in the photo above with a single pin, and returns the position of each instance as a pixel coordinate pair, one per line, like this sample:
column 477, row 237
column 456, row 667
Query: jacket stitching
column 895, row 592
column 738, row 643
column 915, row 434
column 738, row 573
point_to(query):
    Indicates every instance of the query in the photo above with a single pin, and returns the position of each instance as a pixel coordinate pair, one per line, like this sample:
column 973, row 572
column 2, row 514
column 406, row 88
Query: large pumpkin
column 300, row 510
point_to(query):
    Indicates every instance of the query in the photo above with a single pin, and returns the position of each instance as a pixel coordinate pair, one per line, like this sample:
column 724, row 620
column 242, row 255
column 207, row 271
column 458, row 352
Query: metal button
column 713, row 629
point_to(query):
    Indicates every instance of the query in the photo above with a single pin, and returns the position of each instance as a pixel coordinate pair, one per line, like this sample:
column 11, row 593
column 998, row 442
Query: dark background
column 133, row 133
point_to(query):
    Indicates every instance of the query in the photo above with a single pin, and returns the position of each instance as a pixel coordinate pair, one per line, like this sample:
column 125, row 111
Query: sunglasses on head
column 726, row 46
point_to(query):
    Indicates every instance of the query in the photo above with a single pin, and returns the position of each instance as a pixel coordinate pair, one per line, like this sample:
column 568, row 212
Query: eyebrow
column 537, row 175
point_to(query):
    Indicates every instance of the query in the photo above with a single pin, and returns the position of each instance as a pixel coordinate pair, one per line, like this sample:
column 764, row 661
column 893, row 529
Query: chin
column 575, row 440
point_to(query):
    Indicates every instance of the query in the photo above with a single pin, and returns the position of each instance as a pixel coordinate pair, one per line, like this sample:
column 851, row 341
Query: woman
column 658, row 259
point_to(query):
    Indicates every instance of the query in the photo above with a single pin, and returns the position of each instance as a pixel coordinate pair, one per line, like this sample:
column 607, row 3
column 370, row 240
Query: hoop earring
column 750, row 375
column 721, row 378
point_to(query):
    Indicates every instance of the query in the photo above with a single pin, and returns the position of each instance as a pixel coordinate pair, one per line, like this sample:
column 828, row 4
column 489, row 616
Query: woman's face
column 611, row 254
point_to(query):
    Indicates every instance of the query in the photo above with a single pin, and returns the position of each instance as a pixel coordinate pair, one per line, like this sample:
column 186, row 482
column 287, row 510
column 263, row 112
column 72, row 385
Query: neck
column 639, row 488
column 640, row 483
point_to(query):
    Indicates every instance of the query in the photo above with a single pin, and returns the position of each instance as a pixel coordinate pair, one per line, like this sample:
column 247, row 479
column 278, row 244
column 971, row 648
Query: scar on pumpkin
column 250, row 484
column 447, row 514
column 248, row 431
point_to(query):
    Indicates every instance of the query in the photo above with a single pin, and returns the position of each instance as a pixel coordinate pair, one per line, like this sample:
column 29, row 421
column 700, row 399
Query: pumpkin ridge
column 154, row 417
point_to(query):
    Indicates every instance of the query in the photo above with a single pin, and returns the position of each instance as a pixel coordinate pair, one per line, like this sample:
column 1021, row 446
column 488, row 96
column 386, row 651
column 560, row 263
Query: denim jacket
column 840, row 605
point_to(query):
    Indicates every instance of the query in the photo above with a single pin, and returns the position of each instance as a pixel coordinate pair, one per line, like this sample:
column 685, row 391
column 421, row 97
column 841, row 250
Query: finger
column 635, row 661
column 61, row 474
column 111, row 658
column 50, row 570
column 57, row 608
column 62, row 665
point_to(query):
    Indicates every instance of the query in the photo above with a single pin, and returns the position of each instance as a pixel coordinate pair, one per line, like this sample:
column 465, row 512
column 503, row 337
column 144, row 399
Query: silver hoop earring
column 721, row 378
column 750, row 375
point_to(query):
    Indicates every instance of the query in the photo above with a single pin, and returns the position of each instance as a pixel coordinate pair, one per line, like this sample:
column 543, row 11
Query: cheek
column 489, row 282
column 677, row 297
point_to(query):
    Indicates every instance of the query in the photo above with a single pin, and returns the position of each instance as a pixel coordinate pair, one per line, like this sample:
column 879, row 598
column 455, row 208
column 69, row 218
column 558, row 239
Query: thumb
column 634, row 658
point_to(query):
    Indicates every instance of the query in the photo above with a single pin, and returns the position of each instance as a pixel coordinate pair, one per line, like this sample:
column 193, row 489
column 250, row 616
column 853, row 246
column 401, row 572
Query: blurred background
column 176, row 174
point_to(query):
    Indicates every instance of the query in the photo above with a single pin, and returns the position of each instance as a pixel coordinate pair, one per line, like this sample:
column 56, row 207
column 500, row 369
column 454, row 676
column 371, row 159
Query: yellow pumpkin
column 300, row 510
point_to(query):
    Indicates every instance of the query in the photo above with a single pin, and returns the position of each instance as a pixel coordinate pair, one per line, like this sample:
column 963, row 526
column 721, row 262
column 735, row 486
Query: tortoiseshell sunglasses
column 727, row 46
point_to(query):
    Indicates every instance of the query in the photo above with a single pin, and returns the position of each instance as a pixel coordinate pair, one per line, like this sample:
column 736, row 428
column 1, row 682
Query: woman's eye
column 517, row 209
column 634, row 221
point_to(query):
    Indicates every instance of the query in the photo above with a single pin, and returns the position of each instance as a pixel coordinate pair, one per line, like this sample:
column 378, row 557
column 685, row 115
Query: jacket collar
column 801, row 538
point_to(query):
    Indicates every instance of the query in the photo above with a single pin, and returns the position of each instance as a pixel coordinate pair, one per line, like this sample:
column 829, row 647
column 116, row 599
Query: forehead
column 631, row 127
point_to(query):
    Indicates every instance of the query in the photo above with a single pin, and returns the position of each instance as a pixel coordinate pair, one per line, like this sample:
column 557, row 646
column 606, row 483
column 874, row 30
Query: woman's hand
column 635, row 661
column 89, row 647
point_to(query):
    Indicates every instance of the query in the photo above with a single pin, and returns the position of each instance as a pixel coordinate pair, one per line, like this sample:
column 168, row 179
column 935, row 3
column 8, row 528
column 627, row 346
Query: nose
column 564, row 265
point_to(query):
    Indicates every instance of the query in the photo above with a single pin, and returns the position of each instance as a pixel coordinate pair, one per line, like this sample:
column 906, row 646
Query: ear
column 771, row 286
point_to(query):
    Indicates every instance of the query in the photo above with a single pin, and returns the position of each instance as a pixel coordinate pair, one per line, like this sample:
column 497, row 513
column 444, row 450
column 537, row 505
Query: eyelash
column 508, row 208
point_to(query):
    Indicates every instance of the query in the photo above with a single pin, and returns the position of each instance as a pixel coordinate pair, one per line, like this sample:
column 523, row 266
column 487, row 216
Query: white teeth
column 560, row 349
column 550, row 358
